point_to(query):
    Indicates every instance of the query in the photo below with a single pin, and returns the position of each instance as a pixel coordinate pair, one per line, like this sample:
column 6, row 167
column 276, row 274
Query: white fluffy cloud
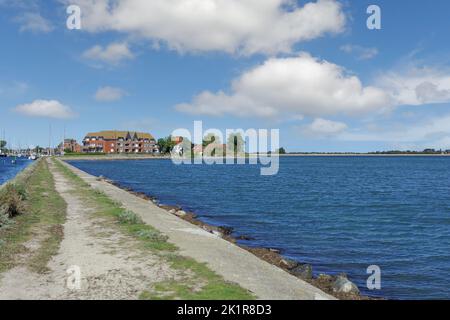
column 233, row 26
column 418, row 85
column 299, row 85
column 33, row 22
column 108, row 94
column 114, row 53
column 46, row 109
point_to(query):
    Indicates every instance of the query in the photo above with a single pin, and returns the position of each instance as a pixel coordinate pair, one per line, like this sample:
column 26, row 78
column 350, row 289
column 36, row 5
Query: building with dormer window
column 119, row 142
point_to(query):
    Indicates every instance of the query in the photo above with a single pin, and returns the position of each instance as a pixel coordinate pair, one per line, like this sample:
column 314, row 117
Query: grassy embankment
column 198, row 282
column 32, row 211
column 74, row 154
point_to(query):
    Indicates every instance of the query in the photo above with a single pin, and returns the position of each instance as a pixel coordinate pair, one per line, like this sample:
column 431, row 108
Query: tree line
column 235, row 145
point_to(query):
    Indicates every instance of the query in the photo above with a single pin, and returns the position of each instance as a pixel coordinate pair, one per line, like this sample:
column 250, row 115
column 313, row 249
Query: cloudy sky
column 310, row 68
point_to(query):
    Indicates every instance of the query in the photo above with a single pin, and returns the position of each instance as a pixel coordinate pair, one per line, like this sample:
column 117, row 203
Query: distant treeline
column 426, row 152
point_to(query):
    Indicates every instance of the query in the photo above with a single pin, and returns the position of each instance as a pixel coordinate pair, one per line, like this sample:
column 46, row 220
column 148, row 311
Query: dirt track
column 111, row 267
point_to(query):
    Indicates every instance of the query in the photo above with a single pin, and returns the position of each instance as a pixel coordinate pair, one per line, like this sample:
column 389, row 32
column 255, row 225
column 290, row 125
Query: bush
column 12, row 199
column 128, row 217
column 4, row 221
column 152, row 235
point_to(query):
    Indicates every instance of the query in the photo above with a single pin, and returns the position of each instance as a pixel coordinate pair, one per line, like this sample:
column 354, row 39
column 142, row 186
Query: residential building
column 119, row 142
column 70, row 145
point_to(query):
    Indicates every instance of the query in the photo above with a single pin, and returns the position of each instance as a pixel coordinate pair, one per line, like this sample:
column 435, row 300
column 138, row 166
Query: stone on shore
column 343, row 285
column 180, row 213
column 288, row 264
column 227, row 231
column 303, row 271
column 217, row 233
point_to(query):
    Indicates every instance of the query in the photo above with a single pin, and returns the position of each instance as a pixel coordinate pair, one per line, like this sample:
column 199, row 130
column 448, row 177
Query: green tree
column 3, row 144
column 210, row 138
column 281, row 151
column 187, row 143
column 235, row 143
column 166, row 145
column 187, row 146
column 161, row 144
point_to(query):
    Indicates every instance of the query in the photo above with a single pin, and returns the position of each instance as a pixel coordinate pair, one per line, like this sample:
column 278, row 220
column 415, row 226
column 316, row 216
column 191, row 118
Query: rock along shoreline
column 338, row 286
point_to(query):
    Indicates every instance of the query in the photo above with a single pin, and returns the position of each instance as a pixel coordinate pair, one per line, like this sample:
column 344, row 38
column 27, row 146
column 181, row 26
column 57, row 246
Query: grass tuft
column 128, row 217
column 12, row 201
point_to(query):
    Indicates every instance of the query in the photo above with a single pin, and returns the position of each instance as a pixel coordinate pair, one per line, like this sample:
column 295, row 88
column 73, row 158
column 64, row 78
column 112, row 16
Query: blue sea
column 339, row 214
column 8, row 170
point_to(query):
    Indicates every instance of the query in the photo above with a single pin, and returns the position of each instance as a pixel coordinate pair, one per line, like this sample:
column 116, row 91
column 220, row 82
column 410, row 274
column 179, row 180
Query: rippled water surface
column 8, row 170
column 340, row 214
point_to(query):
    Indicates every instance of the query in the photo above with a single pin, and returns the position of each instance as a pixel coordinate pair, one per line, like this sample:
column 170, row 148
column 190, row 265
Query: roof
column 113, row 134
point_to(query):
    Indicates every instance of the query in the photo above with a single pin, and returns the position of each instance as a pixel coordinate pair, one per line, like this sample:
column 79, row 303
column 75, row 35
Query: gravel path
column 109, row 265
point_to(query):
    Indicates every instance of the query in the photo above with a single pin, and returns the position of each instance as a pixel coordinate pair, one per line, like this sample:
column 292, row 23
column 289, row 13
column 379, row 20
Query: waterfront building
column 119, row 142
column 70, row 145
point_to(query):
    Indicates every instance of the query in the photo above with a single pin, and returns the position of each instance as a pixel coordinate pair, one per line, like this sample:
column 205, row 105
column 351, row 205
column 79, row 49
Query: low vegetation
column 198, row 281
column 33, row 211
column 77, row 154
column 12, row 201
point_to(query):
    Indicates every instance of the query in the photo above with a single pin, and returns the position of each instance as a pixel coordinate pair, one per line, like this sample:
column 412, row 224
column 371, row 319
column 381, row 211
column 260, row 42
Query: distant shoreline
column 289, row 155
column 363, row 155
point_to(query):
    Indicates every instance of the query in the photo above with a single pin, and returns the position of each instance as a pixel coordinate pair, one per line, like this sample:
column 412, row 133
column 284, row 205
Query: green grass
column 84, row 154
column 203, row 284
column 199, row 282
column 45, row 214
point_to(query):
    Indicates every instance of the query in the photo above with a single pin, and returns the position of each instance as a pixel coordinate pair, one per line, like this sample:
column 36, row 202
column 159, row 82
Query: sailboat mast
column 49, row 139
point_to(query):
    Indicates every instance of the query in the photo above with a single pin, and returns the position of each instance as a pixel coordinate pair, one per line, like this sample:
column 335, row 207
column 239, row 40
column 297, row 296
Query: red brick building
column 71, row 145
column 119, row 142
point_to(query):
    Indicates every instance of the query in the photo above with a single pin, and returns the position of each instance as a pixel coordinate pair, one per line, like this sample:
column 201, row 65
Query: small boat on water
column 2, row 155
column 32, row 157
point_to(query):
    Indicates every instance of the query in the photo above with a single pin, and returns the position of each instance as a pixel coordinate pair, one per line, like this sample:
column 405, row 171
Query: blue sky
column 320, row 76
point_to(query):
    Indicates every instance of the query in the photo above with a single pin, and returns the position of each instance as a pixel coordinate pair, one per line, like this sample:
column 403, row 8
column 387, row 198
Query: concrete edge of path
column 233, row 263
